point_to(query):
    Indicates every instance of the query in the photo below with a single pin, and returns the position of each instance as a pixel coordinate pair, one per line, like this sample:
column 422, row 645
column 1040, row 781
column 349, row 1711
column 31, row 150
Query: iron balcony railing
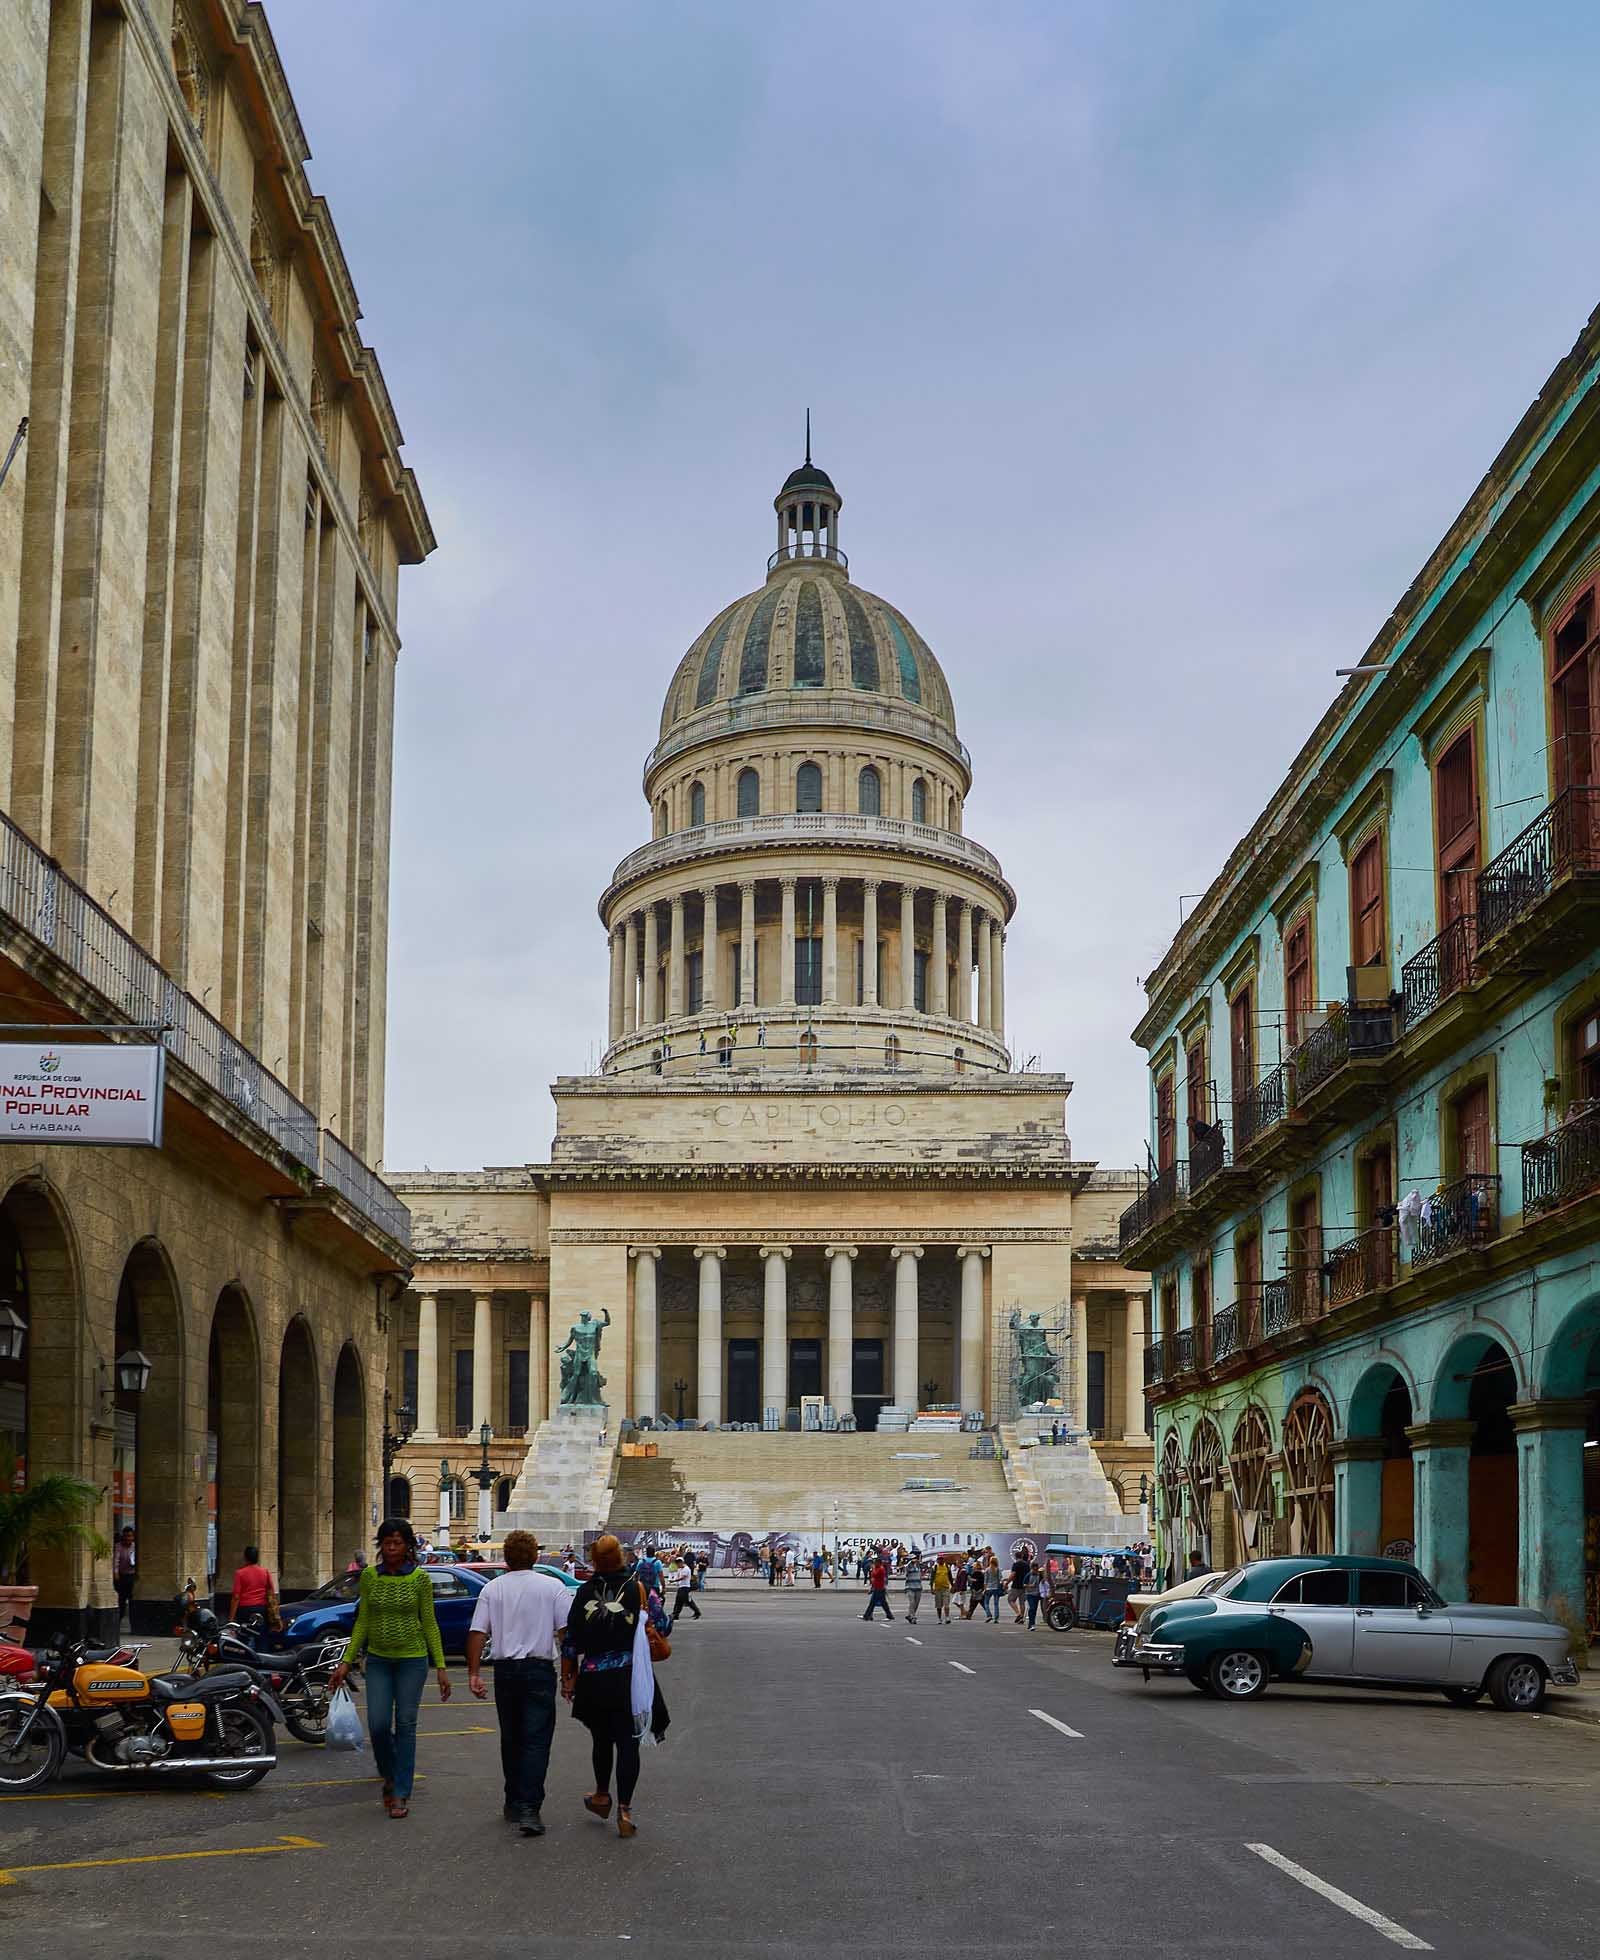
column 1182, row 1350
column 834, row 707
column 1563, row 838
column 1225, row 1334
column 1349, row 1033
column 1262, row 1105
column 1443, row 967
column 1208, row 1153
column 61, row 916
column 1362, row 1265
column 1281, row 1304
column 1562, row 1165
column 1155, row 1362
column 1460, row 1215
column 801, row 549
column 807, row 827
column 1157, row 1201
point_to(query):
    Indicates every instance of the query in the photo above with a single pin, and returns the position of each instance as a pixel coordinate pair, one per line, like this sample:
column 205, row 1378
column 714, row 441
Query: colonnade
column 428, row 1427
column 1134, row 1421
column 965, row 945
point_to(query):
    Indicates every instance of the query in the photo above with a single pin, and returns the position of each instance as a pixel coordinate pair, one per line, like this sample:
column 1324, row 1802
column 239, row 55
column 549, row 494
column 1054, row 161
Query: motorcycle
column 122, row 1722
column 297, row 1676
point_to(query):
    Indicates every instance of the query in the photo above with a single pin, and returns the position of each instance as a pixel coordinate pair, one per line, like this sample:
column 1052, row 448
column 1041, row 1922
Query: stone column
column 985, row 974
column 786, row 946
column 775, row 1328
column 709, row 1357
column 939, row 963
column 964, row 963
column 710, row 965
column 482, row 1361
column 906, row 1388
column 997, row 957
column 869, row 942
column 538, row 1359
column 1357, row 1496
column 830, row 942
column 427, row 1429
column 675, row 990
column 972, row 1258
column 747, row 939
column 646, row 1397
column 1439, row 1456
column 630, row 974
column 1133, row 1421
column 908, row 946
column 614, row 1026
column 1080, row 1362
column 841, row 1327
column 1550, row 1438
column 652, row 968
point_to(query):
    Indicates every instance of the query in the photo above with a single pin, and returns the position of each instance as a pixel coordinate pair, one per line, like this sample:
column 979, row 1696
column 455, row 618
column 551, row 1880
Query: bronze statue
column 1037, row 1368
column 581, row 1379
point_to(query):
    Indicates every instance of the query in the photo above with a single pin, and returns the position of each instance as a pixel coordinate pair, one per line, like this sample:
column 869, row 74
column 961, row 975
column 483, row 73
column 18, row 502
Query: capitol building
column 805, row 1170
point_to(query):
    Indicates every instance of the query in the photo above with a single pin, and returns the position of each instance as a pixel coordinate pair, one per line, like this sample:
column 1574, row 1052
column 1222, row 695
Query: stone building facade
column 200, row 544
column 805, row 1167
column 1374, row 1079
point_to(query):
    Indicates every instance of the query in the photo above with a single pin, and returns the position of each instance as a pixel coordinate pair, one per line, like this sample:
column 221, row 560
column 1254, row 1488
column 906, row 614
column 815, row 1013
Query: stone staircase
column 565, row 1486
column 1061, row 1490
column 775, row 1480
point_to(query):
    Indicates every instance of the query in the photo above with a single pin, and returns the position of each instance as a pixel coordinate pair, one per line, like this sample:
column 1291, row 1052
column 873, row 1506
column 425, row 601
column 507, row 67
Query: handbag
column 660, row 1646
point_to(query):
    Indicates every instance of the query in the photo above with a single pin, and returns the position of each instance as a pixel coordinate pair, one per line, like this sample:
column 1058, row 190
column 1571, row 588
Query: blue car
column 332, row 1608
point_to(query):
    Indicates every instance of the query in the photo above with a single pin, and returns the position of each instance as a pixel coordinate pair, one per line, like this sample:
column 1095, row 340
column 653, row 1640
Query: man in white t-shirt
column 520, row 1614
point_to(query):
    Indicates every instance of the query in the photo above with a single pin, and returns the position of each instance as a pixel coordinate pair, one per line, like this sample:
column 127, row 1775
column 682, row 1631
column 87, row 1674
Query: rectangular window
column 516, row 1388
column 1297, row 979
column 1197, row 1090
column 1247, row 1287
column 1242, row 1041
column 697, row 982
column 1366, row 903
column 1305, row 1255
column 1585, row 1040
column 1166, row 1124
column 1473, row 1147
column 408, row 1379
column 1456, row 799
column 919, row 982
column 1200, row 1289
column 463, row 1364
column 808, row 972
column 1575, row 687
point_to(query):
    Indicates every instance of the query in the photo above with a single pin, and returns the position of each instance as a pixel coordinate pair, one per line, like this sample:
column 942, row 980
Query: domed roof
column 807, row 629
column 807, row 477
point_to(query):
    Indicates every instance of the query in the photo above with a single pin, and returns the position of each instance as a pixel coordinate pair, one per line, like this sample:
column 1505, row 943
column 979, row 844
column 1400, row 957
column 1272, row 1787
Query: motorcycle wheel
column 26, row 1762
column 306, row 1718
column 245, row 1735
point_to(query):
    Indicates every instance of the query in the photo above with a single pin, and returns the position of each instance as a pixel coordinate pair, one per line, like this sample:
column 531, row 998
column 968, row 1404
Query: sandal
column 398, row 1807
column 600, row 1806
column 625, row 1824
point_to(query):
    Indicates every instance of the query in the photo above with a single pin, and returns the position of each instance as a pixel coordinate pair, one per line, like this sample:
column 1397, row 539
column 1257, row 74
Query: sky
column 1152, row 347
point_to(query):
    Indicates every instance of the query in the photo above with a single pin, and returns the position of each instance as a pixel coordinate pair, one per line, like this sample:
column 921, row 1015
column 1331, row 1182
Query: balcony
column 1461, row 1216
column 1283, row 1303
column 1336, row 1062
column 1225, row 1329
column 1561, row 1166
column 803, row 550
column 1362, row 1265
column 1545, row 877
column 832, row 707
column 1260, row 1109
column 1446, row 965
column 1155, row 1362
column 1153, row 1207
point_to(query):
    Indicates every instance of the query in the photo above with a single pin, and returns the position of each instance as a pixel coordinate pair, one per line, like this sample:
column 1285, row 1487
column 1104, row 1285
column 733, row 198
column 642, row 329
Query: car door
column 1318, row 1601
column 1394, row 1641
column 453, row 1600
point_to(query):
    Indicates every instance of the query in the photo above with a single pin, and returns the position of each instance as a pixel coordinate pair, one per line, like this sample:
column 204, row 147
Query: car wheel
column 1463, row 1697
column 1237, row 1674
column 1060, row 1614
column 1516, row 1684
column 1199, row 1678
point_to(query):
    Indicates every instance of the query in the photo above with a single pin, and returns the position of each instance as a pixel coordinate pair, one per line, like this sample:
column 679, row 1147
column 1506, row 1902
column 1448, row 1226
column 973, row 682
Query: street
column 826, row 1781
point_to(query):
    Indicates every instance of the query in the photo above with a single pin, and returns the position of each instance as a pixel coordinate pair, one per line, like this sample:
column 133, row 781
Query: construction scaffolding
column 1032, row 1362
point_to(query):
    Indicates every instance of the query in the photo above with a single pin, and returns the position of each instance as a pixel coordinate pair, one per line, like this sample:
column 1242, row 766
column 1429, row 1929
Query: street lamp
column 133, row 1372
column 682, row 1388
column 485, row 1478
column 394, row 1440
column 445, row 1483
column 13, row 1332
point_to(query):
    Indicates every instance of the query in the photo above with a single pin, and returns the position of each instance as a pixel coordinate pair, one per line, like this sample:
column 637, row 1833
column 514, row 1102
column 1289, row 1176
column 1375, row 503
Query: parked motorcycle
column 122, row 1722
column 297, row 1677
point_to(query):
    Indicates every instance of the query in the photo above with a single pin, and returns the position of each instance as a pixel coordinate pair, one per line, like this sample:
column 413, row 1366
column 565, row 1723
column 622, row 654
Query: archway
column 299, row 1456
column 42, row 1409
column 350, row 1528
column 233, row 1433
column 1308, row 1475
column 1380, row 1484
column 399, row 1505
column 502, row 1493
column 1561, row 1570
column 1208, row 1523
column 1477, row 1382
column 1250, row 1474
column 151, row 1486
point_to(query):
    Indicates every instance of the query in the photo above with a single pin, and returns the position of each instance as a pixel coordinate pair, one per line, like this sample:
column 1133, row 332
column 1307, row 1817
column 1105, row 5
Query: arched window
column 808, row 787
column 891, row 1051
column 725, row 1051
column 749, row 792
column 1205, row 1481
column 1250, row 1462
column 697, row 805
column 399, row 1497
column 808, row 1049
column 661, row 817
column 1308, row 1476
column 870, row 797
column 919, row 801
column 502, row 1494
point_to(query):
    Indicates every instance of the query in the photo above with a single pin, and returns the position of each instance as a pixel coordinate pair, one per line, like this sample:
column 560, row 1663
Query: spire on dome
column 808, row 509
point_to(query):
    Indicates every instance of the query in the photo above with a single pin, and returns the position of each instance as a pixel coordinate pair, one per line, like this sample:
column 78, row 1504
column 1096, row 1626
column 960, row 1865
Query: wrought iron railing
column 1208, row 1153
column 1442, row 968
column 1564, row 837
column 1362, row 1265
column 1459, row 1215
column 1182, row 1350
column 1157, row 1201
column 1155, row 1362
column 38, row 896
column 1225, row 1334
column 1562, row 1165
column 1260, row 1106
column 802, row 549
column 1349, row 1033
column 1280, row 1307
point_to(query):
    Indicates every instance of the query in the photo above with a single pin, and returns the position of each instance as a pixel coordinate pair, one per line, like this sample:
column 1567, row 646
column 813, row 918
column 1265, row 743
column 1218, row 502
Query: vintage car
column 1140, row 1603
column 1365, row 1622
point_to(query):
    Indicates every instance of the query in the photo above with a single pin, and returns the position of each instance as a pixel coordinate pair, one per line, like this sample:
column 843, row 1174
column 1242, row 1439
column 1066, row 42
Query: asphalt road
column 831, row 1784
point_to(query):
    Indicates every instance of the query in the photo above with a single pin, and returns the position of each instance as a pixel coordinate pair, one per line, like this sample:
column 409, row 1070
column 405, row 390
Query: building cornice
column 756, row 1237
column 751, row 1177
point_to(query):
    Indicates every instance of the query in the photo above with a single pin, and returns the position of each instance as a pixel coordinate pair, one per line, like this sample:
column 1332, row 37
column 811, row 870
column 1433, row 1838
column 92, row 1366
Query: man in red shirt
column 253, row 1590
column 879, row 1582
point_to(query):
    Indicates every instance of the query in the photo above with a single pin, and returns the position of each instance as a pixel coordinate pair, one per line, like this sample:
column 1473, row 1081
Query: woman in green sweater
column 396, row 1628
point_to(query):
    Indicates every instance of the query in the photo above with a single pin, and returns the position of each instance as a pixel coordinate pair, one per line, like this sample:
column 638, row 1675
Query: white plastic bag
column 344, row 1722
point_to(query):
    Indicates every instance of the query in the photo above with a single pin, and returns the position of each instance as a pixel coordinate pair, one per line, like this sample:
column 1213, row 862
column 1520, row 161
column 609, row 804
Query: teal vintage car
column 1363, row 1622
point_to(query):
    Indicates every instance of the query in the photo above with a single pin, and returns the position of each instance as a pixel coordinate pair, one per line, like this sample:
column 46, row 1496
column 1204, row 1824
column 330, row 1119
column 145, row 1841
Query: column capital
column 711, row 1252
column 1357, row 1449
column 749, row 885
column 830, row 884
column 1440, row 1435
column 834, row 1251
column 1555, row 1412
column 776, row 1251
column 785, row 884
column 429, row 1297
column 973, row 1251
column 940, row 898
column 644, row 1252
column 483, row 1297
column 906, row 1251
column 709, row 892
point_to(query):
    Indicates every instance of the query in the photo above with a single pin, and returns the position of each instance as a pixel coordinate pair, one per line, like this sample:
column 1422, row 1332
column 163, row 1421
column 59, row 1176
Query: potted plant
column 50, row 1514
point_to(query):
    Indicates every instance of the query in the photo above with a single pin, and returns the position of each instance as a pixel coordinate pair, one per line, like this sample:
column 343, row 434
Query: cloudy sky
column 1152, row 347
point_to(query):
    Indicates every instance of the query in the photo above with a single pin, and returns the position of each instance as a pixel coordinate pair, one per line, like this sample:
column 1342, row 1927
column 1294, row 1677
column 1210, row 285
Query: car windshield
column 1223, row 1586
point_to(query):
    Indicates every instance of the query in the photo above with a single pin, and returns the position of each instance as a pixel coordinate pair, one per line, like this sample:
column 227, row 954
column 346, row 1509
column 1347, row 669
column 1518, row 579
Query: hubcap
column 1522, row 1682
column 1239, row 1674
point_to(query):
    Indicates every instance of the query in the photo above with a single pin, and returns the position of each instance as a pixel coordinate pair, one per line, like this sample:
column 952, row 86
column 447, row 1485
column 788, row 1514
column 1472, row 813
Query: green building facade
column 1375, row 1088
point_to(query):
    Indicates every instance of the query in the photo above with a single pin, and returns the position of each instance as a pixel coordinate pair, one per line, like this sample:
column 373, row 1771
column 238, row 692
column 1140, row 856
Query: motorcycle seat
column 200, row 1687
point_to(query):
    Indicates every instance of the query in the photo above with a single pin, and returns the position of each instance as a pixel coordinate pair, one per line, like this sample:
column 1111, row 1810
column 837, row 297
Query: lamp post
column 1144, row 1505
column 395, row 1439
column 682, row 1389
column 485, row 1478
column 445, row 1481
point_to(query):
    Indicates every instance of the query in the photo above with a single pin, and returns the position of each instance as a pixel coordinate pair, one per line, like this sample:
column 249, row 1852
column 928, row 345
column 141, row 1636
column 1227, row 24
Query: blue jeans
column 1033, row 1608
column 394, row 1694
column 991, row 1604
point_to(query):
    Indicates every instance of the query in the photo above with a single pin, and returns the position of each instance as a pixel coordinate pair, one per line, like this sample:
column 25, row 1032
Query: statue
column 1037, row 1367
column 581, row 1379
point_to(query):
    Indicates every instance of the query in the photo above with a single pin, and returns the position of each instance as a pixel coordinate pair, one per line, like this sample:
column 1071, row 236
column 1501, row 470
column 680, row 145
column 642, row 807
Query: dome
column 807, row 477
column 807, row 630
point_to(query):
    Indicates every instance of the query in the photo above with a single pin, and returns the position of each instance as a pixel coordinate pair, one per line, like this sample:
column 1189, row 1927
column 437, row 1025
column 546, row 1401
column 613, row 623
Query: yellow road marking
column 9, row 1875
column 78, row 1796
column 481, row 1731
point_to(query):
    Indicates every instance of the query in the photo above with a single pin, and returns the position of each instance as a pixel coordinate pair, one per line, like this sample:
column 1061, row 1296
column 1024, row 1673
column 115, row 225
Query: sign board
column 72, row 1092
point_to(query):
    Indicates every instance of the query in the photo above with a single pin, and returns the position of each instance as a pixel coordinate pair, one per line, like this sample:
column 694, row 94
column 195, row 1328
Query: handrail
column 794, row 826
column 1361, row 1265
column 1160, row 1197
column 1459, row 1215
column 1441, row 968
column 1565, row 836
column 850, row 710
column 1263, row 1104
column 1561, row 1165
column 805, row 550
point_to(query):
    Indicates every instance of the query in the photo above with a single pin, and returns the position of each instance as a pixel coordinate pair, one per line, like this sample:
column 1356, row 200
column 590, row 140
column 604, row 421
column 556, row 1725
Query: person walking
column 958, row 1586
column 681, row 1578
column 396, row 1629
column 1033, row 1587
column 816, row 1571
column 519, row 1614
column 914, row 1578
column 597, row 1676
column 1020, row 1567
column 941, row 1590
column 254, row 1591
column 878, row 1579
column 993, row 1585
column 122, row 1573
column 974, row 1585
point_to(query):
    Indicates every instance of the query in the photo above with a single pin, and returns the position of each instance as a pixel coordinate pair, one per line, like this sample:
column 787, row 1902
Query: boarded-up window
column 1366, row 903
column 1297, row 978
column 1456, row 796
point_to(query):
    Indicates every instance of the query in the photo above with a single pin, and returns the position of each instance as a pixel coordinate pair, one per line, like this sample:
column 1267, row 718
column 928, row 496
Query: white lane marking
column 914, row 1640
column 1076, row 1734
column 1367, row 1914
column 964, row 1670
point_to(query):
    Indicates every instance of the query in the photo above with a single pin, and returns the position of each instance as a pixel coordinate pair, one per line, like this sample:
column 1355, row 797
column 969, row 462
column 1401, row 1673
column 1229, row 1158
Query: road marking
column 78, row 1796
column 476, row 1731
column 9, row 1875
column 963, row 1669
column 1367, row 1914
column 1076, row 1734
column 914, row 1640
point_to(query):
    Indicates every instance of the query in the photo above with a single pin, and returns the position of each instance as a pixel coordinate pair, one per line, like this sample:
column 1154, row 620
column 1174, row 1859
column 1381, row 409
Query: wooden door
column 1297, row 979
column 1305, row 1251
column 1456, row 799
column 1474, row 1147
column 1166, row 1124
column 1366, row 904
column 1247, row 1282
